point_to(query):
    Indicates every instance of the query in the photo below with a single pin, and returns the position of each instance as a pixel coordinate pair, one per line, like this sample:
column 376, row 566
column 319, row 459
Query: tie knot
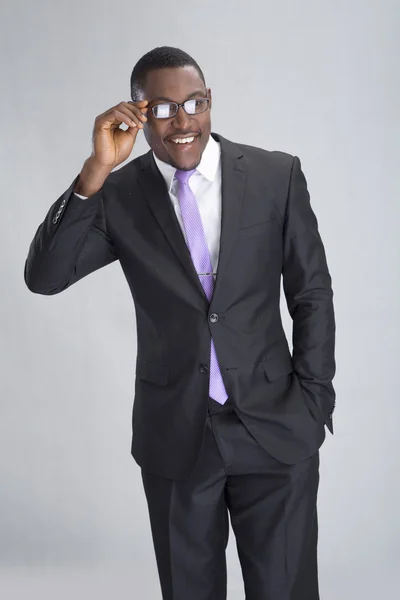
column 184, row 176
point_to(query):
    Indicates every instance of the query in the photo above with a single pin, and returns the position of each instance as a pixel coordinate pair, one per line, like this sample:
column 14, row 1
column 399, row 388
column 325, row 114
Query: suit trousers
column 272, row 509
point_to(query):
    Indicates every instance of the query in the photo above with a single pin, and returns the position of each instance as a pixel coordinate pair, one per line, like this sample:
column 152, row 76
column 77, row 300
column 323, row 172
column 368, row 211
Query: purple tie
column 198, row 248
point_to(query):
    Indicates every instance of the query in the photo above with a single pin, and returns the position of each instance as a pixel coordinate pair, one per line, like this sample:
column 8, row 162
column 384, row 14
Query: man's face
column 176, row 85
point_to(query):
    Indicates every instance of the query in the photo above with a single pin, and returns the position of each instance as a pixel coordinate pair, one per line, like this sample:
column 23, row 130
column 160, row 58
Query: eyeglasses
column 170, row 109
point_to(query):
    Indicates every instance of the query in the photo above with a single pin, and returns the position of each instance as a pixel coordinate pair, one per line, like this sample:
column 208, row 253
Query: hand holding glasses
column 112, row 145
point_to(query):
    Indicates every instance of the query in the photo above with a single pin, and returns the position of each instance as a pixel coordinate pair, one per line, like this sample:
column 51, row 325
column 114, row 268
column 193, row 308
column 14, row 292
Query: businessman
column 227, row 423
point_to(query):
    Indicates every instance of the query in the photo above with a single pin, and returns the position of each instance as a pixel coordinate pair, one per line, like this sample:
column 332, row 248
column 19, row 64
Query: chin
column 187, row 164
column 189, row 167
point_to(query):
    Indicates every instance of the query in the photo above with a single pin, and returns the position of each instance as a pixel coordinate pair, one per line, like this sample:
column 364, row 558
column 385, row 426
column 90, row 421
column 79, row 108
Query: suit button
column 213, row 318
column 204, row 369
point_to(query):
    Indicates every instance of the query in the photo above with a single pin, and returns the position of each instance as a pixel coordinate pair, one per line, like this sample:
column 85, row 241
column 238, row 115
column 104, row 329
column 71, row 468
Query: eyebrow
column 196, row 93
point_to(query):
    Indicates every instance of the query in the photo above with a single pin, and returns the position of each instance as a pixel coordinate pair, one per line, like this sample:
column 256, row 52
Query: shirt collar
column 207, row 167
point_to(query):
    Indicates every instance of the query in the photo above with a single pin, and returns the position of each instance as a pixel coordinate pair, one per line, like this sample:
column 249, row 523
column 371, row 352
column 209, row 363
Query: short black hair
column 162, row 57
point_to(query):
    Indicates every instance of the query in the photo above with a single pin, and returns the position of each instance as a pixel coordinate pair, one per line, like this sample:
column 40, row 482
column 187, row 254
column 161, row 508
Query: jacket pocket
column 277, row 366
column 153, row 372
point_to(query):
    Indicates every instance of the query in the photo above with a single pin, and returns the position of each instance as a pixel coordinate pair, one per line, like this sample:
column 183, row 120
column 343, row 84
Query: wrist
column 91, row 177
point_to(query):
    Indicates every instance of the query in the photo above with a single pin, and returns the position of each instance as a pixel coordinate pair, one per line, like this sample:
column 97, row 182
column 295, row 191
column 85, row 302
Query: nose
column 181, row 119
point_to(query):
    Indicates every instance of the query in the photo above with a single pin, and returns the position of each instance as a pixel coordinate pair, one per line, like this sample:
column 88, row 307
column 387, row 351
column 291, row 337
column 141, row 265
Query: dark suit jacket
column 269, row 230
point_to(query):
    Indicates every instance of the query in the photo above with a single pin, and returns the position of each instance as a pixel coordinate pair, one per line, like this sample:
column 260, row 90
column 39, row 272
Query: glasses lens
column 169, row 109
column 195, row 106
column 164, row 111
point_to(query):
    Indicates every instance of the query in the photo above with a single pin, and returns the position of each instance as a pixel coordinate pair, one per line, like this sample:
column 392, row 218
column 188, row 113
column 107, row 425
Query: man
column 225, row 420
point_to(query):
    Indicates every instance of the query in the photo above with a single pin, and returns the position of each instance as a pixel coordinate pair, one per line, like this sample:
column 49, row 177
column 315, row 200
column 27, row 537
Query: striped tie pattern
column 198, row 248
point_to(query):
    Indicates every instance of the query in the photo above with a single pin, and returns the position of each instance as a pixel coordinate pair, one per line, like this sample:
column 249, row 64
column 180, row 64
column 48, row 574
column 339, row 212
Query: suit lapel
column 233, row 179
column 155, row 190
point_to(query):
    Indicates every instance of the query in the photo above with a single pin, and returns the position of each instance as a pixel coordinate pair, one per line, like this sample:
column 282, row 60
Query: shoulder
column 257, row 158
column 275, row 159
column 268, row 172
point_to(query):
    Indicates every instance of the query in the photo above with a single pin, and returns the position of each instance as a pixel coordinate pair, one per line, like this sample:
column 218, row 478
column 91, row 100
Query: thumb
column 133, row 131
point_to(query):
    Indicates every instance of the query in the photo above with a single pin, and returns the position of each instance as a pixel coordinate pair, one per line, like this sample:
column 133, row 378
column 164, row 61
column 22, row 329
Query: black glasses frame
column 177, row 105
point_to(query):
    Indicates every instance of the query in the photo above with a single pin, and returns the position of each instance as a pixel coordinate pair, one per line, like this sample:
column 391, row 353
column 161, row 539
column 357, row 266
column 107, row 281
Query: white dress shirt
column 205, row 183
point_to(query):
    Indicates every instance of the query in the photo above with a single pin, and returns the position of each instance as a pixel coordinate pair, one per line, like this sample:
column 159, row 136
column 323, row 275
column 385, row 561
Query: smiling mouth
column 184, row 143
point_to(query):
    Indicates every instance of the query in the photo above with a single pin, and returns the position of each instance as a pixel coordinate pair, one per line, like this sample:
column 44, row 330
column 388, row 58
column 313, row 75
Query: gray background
column 317, row 79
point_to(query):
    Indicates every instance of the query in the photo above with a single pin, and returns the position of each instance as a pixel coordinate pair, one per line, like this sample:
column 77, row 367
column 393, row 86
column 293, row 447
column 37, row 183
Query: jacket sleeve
column 70, row 243
column 309, row 297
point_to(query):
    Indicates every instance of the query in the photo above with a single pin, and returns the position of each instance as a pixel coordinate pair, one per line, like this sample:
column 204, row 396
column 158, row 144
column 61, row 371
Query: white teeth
column 183, row 140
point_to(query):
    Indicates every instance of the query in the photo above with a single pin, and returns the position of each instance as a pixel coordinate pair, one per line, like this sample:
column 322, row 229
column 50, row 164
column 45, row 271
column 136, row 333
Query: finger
column 136, row 110
column 133, row 131
column 133, row 113
column 129, row 119
column 141, row 103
